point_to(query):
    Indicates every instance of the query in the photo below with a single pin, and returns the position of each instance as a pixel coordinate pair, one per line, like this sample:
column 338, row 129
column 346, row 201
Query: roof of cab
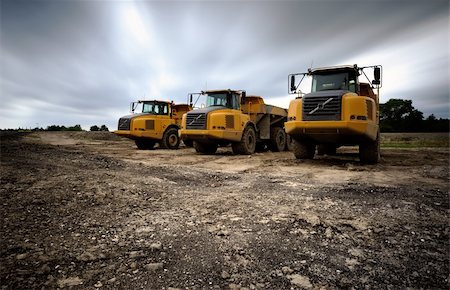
column 333, row 68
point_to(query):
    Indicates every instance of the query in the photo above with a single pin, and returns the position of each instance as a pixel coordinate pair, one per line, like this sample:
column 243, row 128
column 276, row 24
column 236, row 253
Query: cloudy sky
column 83, row 62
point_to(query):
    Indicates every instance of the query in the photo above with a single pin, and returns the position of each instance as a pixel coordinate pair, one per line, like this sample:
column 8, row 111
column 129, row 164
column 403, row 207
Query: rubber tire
column 327, row 149
column 304, row 149
column 247, row 145
column 289, row 143
column 369, row 152
column 205, row 148
column 277, row 139
column 144, row 144
column 188, row 143
column 170, row 139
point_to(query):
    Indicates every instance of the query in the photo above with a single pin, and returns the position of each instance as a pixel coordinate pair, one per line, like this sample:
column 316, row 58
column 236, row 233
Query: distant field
column 413, row 140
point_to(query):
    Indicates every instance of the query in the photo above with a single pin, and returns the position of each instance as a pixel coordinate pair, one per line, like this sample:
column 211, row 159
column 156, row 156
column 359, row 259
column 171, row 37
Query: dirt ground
column 89, row 210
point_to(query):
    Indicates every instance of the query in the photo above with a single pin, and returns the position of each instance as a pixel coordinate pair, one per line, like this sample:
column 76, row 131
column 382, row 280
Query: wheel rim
column 172, row 140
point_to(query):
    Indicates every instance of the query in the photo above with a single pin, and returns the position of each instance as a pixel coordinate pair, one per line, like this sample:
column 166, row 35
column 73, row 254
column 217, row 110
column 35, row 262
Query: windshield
column 229, row 100
column 334, row 81
column 155, row 108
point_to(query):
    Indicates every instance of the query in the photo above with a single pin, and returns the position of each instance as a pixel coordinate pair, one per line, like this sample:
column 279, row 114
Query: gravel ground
column 86, row 210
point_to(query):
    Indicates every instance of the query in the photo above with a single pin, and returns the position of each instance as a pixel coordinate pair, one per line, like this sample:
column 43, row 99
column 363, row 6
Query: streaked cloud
column 82, row 62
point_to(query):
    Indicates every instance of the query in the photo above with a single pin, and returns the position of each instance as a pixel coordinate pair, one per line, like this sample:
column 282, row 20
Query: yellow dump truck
column 158, row 122
column 230, row 116
column 339, row 110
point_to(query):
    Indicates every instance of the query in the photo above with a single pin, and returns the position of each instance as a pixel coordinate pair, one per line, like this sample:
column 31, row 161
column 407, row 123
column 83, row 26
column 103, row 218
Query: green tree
column 95, row 128
column 104, row 128
column 398, row 115
column 74, row 128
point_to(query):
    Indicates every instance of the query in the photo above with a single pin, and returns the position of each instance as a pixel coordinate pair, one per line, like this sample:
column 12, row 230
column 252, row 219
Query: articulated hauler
column 158, row 122
column 340, row 110
column 230, row 116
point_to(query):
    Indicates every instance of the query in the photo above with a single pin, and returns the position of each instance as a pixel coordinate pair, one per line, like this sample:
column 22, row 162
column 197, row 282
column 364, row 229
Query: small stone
column 156, row 246
column 98, row 284
column 112, row 280
column 43, row 258
column 45, row 269
column 21, row 256
column 300, row 281
column 136, row 254
column 286, row 270
column 225, row 275
column 351, row 263
column 153, row 266
column 328, row 233
column 378, row 230
column 86, row 257
column 72, row 281
column 133, row 265
column 223, row 233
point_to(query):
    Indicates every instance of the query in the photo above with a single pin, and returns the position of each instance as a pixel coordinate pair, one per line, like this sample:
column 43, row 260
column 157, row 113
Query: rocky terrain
column 89, row 210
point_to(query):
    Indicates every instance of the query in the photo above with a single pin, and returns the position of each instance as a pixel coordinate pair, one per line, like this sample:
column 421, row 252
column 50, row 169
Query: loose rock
column 300, row 280
column 153, row 266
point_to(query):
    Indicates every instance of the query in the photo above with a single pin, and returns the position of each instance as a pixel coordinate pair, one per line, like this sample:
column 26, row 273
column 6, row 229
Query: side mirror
column 377, row 76
column 190, row 99
column 133, row 107
column 293, row 88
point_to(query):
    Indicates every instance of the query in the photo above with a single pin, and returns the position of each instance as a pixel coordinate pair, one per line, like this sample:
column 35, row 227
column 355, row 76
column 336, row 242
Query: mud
column 87, row 210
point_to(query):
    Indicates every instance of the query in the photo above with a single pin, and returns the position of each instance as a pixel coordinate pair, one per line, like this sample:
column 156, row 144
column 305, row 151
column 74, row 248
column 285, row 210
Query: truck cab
column 158, row 122
column 339, row 110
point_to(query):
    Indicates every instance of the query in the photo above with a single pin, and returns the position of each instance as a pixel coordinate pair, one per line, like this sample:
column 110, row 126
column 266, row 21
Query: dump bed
column 263, row 116
column 178, row 111
column 255, row 105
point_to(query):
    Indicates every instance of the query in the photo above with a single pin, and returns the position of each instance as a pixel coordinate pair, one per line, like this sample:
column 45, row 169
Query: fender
column 172, row 126
column 250, row 123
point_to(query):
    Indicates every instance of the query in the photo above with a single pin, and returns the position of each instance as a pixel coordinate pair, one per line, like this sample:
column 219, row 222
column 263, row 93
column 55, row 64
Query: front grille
column 196, row 121
column 321, row 108
column 229, row 121
column 124, row 124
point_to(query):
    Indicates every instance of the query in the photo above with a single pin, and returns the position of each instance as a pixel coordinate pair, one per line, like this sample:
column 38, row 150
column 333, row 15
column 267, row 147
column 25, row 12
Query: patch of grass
column 414, row 140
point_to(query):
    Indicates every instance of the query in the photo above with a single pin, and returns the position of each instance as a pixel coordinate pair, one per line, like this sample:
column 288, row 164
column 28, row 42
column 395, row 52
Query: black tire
column 170, row 139
column 289, row 143
column 369, row 152
column 247, row 145
column 328, row 149
column 144, row 144
column 188, row 143
column 304, row 149
column 277, row 139
column 205, row 148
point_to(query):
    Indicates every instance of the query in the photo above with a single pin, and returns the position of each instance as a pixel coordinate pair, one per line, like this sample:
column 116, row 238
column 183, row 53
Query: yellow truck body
column 336, row 113
column 228, row 118
column 159, row 122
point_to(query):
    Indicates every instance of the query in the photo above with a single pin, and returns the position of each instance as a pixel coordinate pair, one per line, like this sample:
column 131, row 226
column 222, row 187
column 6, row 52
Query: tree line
column 62, row 128
column 397, row 115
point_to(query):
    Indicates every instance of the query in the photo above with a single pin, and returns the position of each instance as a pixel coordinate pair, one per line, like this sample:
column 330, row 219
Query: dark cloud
column 67, row 62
